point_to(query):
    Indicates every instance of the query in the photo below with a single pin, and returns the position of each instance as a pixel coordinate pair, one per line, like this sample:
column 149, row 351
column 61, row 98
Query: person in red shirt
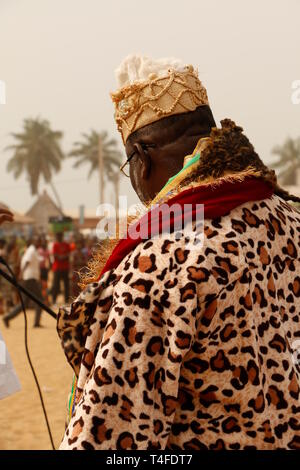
column 61, row 267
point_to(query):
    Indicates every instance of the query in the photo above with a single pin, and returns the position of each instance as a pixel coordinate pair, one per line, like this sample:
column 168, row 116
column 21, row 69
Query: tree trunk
column 101, row 171
column 117, row 193
column 58, row 200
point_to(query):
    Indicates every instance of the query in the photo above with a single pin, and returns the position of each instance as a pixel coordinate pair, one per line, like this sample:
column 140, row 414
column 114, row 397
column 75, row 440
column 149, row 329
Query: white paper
column 9, row 382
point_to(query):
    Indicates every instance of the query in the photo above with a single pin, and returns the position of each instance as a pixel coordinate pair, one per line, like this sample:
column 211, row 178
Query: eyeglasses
column 125, row 167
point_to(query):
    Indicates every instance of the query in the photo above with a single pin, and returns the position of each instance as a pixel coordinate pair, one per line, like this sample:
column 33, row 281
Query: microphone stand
column 27, row 293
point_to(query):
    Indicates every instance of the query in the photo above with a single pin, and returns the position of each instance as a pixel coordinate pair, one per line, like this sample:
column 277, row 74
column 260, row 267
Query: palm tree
column 114, row 176
column 37, row 153
column 94, row 147
column 289, row 160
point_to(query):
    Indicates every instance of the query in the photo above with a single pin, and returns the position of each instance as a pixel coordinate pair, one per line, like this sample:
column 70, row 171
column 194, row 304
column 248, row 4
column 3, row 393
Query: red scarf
column 218, row 201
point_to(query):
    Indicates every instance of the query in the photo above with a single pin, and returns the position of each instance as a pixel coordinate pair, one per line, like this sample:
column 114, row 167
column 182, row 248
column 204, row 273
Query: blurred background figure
column 10, row 252
column 44, row 267
column 13, row 259
column 79, row 259
column 3, row 283
column 30, row 274
column 9, row 382
column 61, row 267
column 2, row 247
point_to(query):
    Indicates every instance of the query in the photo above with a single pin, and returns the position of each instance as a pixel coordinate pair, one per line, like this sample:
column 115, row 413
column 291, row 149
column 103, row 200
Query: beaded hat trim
column 145, row 102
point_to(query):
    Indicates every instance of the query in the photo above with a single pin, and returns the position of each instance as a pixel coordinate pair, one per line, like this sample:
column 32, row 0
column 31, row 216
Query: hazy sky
column 58, row 57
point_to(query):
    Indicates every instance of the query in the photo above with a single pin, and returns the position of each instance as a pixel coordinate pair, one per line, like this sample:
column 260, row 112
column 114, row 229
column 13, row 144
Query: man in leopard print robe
column 193, row 348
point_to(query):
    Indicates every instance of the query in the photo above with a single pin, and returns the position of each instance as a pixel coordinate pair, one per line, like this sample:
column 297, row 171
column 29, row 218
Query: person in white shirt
column 30, row 271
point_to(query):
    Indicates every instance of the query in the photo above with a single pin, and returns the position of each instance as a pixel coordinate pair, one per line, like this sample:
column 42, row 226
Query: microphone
column 12, row 280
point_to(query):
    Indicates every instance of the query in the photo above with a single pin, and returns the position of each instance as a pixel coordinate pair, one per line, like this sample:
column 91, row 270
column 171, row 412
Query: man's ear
column 145, row 161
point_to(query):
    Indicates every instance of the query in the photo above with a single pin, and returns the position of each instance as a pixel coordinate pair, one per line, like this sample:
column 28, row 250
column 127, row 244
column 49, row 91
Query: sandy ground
column 22, row 420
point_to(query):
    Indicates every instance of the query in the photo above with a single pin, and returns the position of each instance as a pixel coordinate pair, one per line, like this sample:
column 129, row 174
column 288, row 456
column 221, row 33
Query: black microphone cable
column 2, row 260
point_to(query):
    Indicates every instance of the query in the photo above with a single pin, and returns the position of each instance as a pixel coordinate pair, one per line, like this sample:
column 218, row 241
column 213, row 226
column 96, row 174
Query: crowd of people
column 46, row 266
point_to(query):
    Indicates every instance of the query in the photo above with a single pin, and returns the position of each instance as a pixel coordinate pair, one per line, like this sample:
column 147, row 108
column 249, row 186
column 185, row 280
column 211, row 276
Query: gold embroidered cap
column 152, row 90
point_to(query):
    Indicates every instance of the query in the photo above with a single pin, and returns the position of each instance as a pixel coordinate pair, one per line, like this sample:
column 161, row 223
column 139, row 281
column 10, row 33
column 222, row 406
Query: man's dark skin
column 159, row 149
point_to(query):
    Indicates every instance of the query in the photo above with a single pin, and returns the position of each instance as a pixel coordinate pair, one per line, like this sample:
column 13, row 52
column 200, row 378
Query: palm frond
column 36, row 152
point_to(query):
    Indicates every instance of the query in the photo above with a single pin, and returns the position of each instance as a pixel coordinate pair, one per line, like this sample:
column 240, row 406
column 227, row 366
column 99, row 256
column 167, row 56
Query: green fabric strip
column 71, row 400
column 189, row 163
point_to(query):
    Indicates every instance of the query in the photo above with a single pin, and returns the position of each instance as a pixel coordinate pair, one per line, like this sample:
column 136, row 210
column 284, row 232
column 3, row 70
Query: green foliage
column 289, row 160
column 87, row 152
column 37, row 152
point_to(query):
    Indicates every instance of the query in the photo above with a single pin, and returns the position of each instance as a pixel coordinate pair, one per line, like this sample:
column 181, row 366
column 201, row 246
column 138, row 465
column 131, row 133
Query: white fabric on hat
column 138, row 68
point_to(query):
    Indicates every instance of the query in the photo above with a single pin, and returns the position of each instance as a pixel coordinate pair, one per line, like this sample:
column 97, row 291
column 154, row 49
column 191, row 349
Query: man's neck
column 190, row 161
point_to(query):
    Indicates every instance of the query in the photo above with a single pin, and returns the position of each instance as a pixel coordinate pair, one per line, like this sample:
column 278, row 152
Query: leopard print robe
column 193, row 349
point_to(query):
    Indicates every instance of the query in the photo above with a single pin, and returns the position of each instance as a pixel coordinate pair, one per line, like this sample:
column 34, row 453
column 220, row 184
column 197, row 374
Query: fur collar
column 228, row 156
